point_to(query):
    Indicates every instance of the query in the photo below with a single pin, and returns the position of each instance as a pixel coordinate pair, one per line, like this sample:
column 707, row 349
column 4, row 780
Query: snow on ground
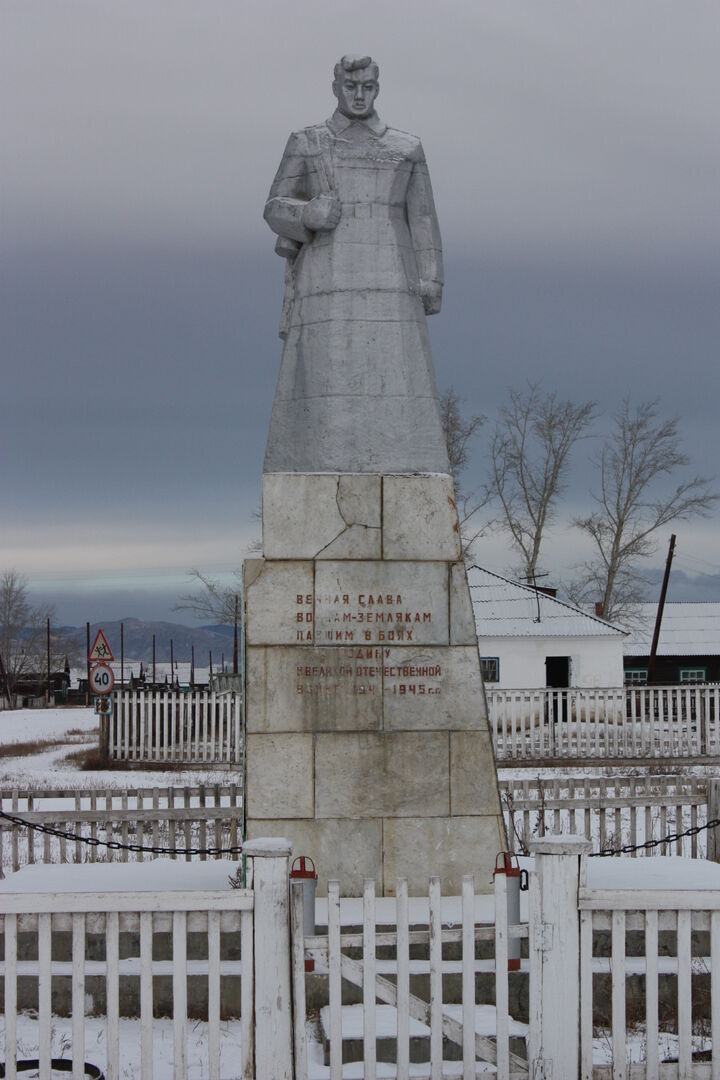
column 96, row 1045
column 386, row 1022
column 658, row 872
column 27, row 725
column 652, row 767
column 197, row 1043
column 51, row 768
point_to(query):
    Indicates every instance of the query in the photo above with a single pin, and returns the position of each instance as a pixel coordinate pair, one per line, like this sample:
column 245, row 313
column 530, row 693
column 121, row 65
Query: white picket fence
column 610, row 811
column 623, row 722
column 174, row 818
column 679, row 915
column 613, row 811
column 576, row 1025
column 205, row 727
column 133, row 918
column 199, row 727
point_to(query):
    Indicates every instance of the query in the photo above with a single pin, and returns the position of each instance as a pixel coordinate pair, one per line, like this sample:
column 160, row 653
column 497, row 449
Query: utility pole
column 87, row 653
column 122, row 654
column 661, row 608
column 47, row 642
column 235, row 638
column 154, row 680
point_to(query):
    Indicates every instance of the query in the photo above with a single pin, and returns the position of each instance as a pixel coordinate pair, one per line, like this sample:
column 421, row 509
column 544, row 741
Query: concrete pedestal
column 367, row 736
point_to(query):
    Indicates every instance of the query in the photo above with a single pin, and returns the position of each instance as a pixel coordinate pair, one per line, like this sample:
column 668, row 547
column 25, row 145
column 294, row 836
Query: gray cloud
column 574, row 155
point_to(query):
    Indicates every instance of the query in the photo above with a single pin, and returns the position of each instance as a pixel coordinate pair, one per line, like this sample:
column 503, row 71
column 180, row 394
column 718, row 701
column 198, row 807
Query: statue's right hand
column 322, row 213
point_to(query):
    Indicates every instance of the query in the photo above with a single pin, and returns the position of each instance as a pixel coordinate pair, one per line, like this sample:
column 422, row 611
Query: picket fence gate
column 616, row 722
column 444, row 1022
column 194, row 727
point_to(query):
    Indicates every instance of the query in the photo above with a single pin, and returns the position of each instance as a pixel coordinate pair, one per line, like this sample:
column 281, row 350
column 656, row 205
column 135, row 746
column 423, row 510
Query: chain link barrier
column 116, row 845
column 671, row 838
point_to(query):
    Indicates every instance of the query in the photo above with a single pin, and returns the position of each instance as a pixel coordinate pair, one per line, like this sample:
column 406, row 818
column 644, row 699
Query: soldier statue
column 353, row 210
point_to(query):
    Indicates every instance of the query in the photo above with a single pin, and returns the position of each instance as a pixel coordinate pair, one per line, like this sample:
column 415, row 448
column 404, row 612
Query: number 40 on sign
column 102, row 679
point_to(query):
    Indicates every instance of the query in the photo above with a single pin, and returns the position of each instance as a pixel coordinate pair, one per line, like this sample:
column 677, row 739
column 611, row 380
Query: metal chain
column 671, row 838
column 115, row 845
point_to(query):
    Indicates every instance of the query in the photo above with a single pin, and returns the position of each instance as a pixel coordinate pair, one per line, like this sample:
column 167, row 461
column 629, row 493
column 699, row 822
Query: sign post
column 101, row 681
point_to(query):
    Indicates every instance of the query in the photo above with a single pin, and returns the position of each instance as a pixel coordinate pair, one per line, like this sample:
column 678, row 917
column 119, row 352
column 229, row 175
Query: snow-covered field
column 72, row 730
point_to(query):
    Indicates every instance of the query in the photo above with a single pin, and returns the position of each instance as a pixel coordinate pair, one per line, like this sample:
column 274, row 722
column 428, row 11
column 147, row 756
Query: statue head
column 356, row 86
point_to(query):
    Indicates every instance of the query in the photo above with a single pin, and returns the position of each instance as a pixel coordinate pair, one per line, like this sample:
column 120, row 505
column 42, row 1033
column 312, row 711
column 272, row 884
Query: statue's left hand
column 431, row 296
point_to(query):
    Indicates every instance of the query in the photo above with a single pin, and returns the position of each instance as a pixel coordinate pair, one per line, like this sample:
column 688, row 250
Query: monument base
column 366, row 724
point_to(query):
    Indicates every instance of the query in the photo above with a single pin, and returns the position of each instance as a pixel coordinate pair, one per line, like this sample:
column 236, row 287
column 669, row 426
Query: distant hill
column 138, row 635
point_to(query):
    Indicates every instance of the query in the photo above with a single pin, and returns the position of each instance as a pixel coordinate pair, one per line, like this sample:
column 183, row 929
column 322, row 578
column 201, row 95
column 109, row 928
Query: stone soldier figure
column 353, row 209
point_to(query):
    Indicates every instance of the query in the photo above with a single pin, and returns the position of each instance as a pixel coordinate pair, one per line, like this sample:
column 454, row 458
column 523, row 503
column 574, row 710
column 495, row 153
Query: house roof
column 686, row 630
column 505, row 608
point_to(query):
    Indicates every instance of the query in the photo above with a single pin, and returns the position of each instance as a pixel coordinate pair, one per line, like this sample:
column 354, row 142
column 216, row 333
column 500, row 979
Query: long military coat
column 356, row 390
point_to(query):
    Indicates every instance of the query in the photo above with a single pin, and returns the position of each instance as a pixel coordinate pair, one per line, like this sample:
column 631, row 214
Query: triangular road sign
column 100, row 650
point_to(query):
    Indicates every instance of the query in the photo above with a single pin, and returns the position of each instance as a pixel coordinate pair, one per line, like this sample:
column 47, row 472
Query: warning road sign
column 100, row 649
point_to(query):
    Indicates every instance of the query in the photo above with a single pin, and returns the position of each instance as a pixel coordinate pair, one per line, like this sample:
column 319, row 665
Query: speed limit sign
column 102, row 679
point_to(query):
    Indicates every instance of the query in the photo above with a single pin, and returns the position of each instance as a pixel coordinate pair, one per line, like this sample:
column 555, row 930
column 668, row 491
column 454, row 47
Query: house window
column 636, row 676
column 693, row 674
column 490, row 666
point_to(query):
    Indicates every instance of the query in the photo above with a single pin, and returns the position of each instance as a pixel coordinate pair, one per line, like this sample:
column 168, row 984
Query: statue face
column 356, row 92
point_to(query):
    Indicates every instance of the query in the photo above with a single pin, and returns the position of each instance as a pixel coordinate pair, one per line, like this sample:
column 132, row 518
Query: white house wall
column 593, row 661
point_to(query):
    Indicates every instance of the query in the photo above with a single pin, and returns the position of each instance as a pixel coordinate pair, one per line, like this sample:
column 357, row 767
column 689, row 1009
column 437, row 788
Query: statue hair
column 352, row 62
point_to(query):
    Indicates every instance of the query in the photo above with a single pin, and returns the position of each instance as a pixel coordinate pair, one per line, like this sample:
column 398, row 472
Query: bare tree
column 23, row 642
column 459, row 433
column 641, row 452
column 212, row 601
column 529, row 459
column 219, row 603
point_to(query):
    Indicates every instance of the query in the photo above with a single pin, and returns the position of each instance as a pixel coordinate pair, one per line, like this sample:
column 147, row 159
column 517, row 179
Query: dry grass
column 91, row 759
column 25, row 749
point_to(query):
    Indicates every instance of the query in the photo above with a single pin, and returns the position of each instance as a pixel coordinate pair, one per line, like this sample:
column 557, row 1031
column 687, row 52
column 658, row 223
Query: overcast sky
column 575, row 158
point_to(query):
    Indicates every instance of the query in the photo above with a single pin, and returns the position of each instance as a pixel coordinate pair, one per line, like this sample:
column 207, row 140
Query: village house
column 529, row 638
column 688, row 647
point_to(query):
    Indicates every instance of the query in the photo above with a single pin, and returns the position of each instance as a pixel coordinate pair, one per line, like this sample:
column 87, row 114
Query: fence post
column 713, row 813
column 555, row 957
column 271, row 938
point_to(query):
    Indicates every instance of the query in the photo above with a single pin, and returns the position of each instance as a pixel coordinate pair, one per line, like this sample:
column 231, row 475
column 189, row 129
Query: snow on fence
column 624, row 722
column 612, row 811
column 170, row 817
column 190, row 727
